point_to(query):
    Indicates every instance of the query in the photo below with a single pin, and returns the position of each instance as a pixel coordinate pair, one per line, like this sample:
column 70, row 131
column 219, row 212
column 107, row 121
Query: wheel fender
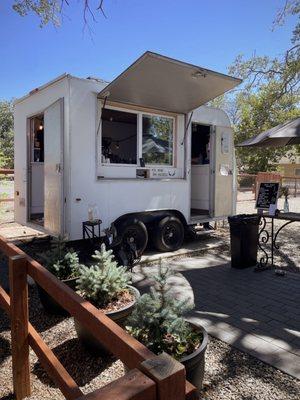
column 121, row 223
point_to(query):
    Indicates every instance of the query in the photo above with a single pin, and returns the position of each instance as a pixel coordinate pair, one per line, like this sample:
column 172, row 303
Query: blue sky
column 206, row 33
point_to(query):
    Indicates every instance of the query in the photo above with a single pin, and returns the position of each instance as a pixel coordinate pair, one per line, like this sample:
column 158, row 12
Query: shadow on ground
column 79, row 362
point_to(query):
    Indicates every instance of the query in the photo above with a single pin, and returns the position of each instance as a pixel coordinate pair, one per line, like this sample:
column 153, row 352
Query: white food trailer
column 144, row 149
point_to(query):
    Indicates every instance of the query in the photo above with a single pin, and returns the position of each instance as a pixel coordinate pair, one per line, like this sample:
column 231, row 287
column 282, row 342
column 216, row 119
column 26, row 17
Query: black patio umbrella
column 281, row 135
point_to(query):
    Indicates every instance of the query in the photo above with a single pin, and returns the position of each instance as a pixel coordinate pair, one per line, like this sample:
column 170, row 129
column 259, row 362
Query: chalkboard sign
column 267, row 194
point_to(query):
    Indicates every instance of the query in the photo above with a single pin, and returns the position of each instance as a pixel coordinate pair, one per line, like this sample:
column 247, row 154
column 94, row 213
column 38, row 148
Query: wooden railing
column 150, row 377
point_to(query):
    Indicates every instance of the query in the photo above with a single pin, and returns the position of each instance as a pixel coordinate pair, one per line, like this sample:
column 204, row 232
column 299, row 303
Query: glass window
column 157, row 140
column 119, row 137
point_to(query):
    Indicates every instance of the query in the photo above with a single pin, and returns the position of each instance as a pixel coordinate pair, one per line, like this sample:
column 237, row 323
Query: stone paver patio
column 258, row 313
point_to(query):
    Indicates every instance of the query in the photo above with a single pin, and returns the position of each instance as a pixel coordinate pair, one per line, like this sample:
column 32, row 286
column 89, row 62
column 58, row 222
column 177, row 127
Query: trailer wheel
column 168, row 234
column 136, row 233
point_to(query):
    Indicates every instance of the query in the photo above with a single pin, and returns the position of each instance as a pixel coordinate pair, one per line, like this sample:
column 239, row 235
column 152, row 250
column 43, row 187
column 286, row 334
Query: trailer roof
column 160, row 82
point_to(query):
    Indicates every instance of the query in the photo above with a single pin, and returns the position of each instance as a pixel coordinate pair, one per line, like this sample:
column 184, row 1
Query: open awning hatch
column 162, row 83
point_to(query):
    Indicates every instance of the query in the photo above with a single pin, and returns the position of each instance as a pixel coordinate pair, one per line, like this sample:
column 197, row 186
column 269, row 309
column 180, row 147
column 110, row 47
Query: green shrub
column 61, row 261
column 158, row 322
column 104, row 281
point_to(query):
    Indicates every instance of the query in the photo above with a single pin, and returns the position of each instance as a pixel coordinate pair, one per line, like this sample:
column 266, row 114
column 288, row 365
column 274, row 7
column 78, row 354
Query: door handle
column 58, row 168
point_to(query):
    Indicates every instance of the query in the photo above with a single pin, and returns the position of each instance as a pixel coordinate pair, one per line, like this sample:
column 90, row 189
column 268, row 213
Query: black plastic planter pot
column 195, row 363
column 120, row 316
column 49, row 304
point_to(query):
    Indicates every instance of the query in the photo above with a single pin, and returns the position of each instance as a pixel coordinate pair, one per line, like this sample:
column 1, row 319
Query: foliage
column 103, row 282
column 258, row 112
column 61, row 261
column 46, row 10
column 6, row 135
column 158, row 322
column 52, row 11
column 268, row 96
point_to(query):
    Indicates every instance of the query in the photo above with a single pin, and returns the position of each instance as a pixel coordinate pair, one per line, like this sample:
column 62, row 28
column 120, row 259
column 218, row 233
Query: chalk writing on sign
column 267, row 194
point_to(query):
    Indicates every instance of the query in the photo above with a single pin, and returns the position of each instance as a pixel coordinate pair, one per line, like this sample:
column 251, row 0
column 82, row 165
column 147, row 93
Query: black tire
column 168, row 234
column 137, row 232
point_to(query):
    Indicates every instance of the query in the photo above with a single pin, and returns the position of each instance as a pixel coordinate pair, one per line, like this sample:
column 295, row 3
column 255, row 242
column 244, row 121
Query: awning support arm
column 103, row 107
column 187, row 127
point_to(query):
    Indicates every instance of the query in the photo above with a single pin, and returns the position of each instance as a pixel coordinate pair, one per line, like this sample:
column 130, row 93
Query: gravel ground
column 6, row 208
column 234, row 375
column 88, row 371
column 230, row 373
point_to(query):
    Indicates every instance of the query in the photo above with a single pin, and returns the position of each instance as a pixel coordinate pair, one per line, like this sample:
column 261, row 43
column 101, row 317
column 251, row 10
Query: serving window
column 132, row 138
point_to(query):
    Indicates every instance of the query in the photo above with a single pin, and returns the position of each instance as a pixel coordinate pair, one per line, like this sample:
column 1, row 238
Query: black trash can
column 244, row 230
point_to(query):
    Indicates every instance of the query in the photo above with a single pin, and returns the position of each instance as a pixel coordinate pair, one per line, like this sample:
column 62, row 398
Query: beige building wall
column 289, row 169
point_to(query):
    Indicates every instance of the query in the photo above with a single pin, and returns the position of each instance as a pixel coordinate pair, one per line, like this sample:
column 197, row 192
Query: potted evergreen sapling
column 158, row 323
column 63, row 263
column 107, row 286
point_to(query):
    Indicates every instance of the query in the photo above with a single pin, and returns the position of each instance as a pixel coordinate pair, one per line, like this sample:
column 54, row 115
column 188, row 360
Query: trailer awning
column 162, row 83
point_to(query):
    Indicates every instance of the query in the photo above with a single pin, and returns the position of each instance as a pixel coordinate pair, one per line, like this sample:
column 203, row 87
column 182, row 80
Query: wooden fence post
column 168, row 374
column 19, row 325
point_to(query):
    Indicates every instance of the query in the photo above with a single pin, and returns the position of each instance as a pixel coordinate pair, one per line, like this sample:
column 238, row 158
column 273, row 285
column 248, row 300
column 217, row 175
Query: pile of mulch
column 230, row 373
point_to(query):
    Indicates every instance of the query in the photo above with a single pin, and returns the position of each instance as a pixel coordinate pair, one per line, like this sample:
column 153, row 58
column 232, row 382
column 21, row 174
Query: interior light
column 41, row 127
column 111, row 119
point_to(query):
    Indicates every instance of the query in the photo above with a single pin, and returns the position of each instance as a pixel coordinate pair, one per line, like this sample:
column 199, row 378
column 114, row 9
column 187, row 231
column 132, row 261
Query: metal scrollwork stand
column 265, row 237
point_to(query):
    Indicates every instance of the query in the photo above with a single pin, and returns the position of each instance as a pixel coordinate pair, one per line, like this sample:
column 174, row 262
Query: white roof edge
column 216, row 116
column 44, row 86
column 55, row 80
column 219, row 110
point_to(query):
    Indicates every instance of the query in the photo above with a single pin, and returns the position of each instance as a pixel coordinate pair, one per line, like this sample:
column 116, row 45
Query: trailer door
column 222, row 172
column 53, row 168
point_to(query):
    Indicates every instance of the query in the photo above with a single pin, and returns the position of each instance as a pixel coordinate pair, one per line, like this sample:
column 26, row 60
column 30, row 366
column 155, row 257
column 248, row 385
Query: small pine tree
column 158, row 322
column 104, row 281
column 61, row 261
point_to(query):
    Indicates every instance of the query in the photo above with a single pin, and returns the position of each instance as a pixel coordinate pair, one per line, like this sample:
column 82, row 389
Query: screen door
column 223, row 172
column 53, row 167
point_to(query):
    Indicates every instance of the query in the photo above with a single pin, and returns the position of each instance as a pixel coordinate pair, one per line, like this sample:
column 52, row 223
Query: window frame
column 139, row 113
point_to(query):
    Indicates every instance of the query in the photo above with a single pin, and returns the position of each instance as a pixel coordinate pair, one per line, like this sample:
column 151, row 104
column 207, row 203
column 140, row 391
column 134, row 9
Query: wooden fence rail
column 292, row 181
column 150, row 377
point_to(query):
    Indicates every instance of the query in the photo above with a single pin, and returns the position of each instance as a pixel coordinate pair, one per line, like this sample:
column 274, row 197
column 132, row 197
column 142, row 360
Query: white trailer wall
column 114, row 197
column 121, row 193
